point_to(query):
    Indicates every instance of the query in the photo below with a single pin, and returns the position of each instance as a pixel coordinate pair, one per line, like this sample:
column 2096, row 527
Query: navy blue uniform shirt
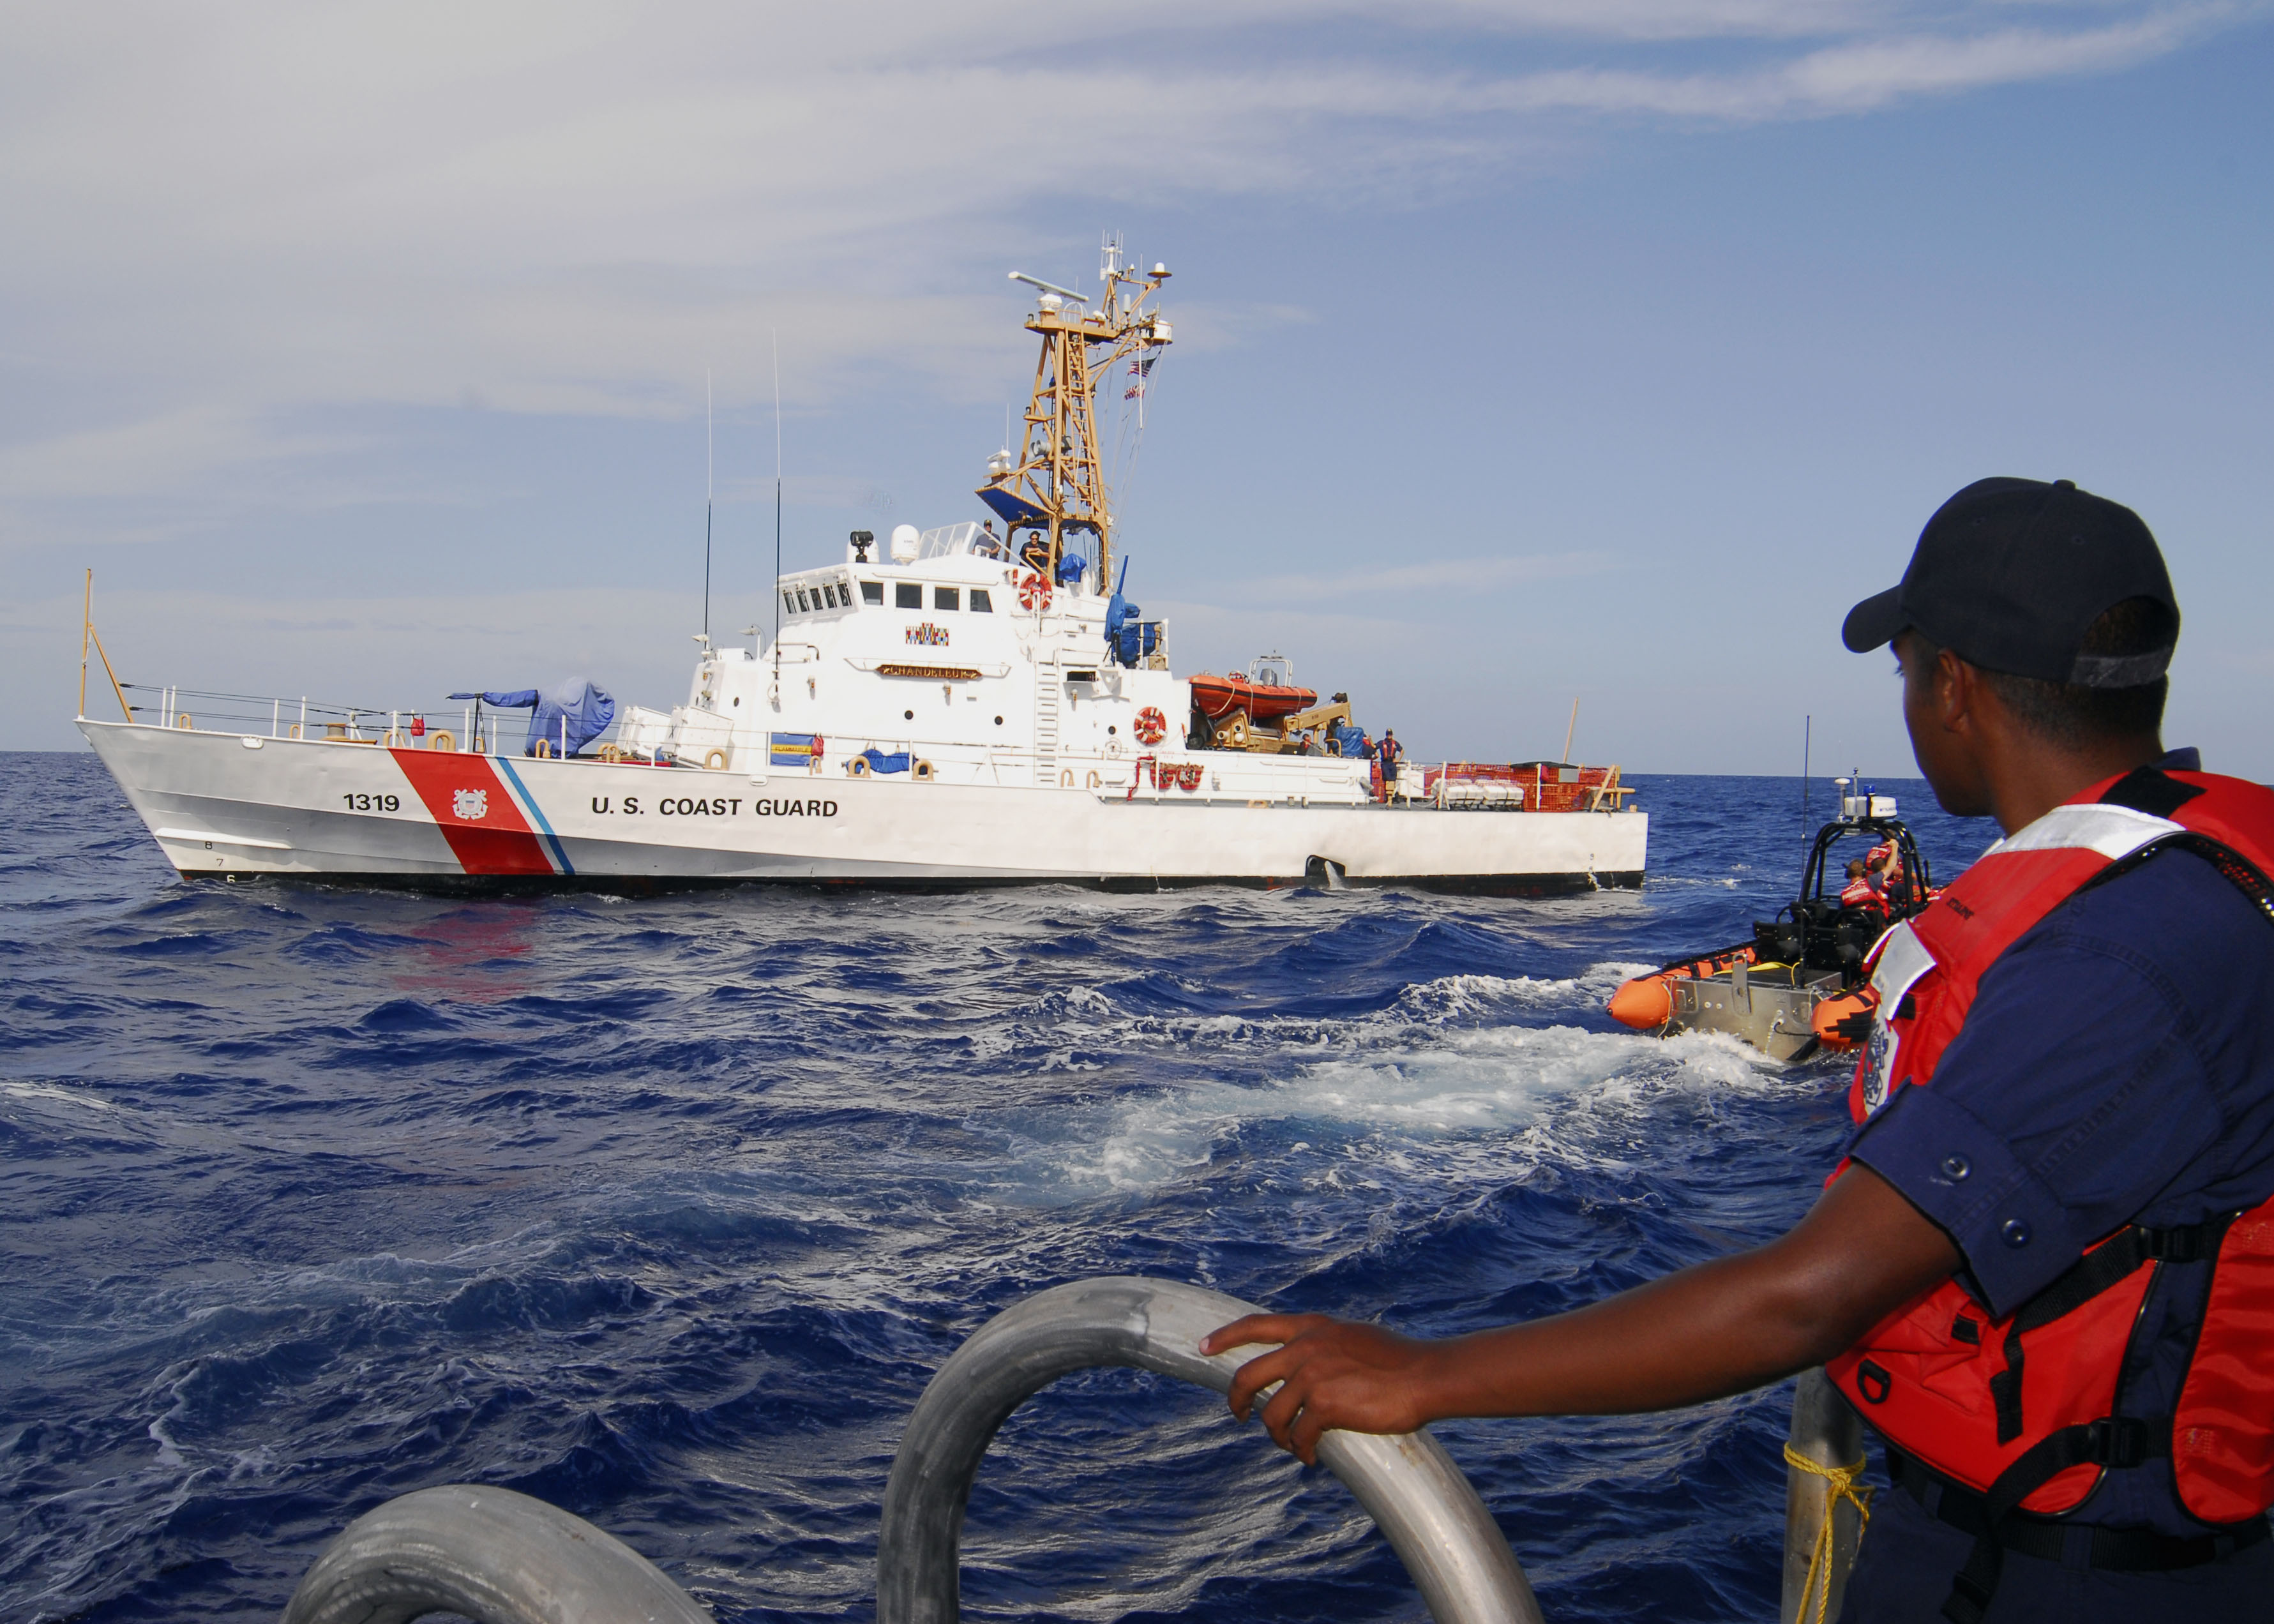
column 2117, row 1066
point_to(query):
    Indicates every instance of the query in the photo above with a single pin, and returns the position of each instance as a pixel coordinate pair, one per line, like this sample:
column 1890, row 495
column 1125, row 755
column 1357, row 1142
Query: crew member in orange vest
column 2043, row 1271
column 1862, row 890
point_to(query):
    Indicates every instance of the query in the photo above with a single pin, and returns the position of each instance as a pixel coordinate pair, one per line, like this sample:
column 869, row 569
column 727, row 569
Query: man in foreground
column 2045, row 1272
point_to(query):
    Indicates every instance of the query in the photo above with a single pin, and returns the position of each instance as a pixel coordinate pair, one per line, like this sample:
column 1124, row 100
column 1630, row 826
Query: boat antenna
column 775, row 333
column 1806, row 724
column 710, row 461
column 1566, row 757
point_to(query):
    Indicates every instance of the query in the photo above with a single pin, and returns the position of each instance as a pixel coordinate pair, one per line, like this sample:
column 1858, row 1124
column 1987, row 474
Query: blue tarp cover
column 878, row 762
column 583, row 710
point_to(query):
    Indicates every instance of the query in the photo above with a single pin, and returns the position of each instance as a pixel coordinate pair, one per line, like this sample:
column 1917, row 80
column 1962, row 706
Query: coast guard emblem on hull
column 473, row 805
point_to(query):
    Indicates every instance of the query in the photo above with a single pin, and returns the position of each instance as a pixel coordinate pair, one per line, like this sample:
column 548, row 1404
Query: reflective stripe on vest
column 2020, row 1408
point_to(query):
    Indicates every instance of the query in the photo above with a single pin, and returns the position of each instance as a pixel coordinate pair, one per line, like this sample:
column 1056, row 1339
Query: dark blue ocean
column 666, row 1211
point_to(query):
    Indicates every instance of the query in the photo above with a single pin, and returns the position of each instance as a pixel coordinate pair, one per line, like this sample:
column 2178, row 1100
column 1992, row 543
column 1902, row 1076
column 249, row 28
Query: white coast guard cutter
column 962, row 709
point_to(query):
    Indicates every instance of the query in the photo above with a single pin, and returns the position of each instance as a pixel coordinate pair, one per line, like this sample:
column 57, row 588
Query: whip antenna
column 775, row 333
column 1806, row 724
column 710, row 473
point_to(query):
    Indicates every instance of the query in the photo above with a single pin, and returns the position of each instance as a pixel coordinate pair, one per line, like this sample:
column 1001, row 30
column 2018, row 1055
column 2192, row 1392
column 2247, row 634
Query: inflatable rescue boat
column 1798, row 983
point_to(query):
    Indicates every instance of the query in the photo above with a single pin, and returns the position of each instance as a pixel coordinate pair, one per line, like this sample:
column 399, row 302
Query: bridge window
column 907, row 595
column 829, row 591
column 873, row 592
column 789, row 602
column 801, row 602
column 980, row 604
column 946, row 597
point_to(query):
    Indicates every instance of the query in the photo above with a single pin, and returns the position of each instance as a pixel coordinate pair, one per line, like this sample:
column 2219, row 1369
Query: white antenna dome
column 905, row 538
column 1051, row 303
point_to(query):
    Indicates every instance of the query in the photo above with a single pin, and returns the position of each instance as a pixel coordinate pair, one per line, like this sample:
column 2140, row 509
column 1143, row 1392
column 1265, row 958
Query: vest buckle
column 2116, row 1440
column 2191, row 1243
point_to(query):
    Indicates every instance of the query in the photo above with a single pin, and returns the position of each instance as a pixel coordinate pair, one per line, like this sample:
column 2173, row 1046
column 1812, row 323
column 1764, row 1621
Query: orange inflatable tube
column 1647, row 1000
column 1833, row 1013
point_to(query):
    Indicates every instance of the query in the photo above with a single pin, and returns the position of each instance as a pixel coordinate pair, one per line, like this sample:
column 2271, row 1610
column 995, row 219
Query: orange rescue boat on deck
column 1264, row 695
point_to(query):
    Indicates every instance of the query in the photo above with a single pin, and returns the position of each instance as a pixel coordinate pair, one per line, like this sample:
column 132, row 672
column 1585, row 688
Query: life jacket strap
column 2097, row 1271
column 2126, row 1549
column 2112, row 1440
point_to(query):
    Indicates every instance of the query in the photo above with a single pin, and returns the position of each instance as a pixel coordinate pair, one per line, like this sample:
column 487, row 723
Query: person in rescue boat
column 1863, row 889
column 2044, row 1270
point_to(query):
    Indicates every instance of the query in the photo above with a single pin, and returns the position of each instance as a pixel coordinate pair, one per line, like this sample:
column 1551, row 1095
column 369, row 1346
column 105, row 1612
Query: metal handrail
column 490, row 1555
column 1425, row 1508
column 503, row 1557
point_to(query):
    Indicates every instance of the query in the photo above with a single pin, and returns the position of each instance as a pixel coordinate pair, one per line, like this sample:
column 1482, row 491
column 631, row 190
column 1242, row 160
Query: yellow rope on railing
column 1841, row 1482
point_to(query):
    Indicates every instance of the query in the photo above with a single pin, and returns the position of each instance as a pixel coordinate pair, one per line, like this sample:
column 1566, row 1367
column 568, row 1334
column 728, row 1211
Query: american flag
column 1140, row 370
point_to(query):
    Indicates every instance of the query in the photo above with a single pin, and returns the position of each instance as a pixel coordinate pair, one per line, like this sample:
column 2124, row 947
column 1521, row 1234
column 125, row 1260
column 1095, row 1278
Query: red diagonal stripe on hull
column 499, row 841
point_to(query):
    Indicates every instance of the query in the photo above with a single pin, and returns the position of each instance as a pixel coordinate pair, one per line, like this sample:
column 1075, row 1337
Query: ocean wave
column 666, row 1210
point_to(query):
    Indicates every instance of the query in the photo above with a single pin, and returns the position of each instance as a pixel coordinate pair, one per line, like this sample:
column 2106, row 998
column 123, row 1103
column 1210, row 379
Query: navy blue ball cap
column 2010, row 574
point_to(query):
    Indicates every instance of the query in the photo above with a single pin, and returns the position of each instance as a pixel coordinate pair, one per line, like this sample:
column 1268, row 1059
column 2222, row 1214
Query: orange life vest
column 1861, row 894
column 2021, row 1410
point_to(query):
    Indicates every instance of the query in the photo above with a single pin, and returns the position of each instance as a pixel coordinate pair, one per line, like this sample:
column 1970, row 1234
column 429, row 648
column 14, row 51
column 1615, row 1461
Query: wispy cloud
column 563, row 208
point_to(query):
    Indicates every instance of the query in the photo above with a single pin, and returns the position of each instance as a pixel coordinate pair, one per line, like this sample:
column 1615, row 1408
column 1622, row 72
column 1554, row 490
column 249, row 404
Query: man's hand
column 1333, row 1374
column 1721, row 1328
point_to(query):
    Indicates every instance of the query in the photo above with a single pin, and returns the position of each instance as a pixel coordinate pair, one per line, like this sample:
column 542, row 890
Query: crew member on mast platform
column 2044, row 1271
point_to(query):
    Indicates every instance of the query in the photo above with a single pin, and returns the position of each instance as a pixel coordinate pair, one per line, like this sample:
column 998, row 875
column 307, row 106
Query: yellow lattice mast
column 1053, row 485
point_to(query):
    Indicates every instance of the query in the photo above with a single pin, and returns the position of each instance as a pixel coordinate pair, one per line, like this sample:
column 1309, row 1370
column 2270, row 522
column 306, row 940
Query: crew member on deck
column 2042, row 1270
column 1387, row 754
column 987, row 544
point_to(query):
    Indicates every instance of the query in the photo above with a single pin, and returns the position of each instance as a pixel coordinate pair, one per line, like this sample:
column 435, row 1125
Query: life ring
column 1034, row 590
column 714, row 761
column 1151, row 726
column 923, row 772
column 443, row 739
column 859, row 768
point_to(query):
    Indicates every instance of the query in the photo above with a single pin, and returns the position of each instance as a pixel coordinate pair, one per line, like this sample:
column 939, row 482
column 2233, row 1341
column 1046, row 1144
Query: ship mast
column 1053, row 485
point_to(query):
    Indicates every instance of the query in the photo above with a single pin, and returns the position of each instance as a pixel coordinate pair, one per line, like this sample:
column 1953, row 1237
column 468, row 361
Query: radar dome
column 905, row 538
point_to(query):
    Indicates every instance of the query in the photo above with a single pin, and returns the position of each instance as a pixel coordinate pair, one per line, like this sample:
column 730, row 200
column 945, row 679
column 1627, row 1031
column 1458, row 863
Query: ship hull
column 226, row 806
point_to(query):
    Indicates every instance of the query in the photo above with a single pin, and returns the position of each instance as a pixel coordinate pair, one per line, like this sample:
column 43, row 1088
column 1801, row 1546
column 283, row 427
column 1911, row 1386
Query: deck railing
column 462, row 728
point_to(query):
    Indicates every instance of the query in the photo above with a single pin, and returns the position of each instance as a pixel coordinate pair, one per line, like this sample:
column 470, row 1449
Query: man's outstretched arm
column 1720, row 1327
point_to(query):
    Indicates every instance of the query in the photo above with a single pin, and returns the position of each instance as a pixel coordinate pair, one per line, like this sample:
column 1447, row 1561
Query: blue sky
column 1526, row 351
